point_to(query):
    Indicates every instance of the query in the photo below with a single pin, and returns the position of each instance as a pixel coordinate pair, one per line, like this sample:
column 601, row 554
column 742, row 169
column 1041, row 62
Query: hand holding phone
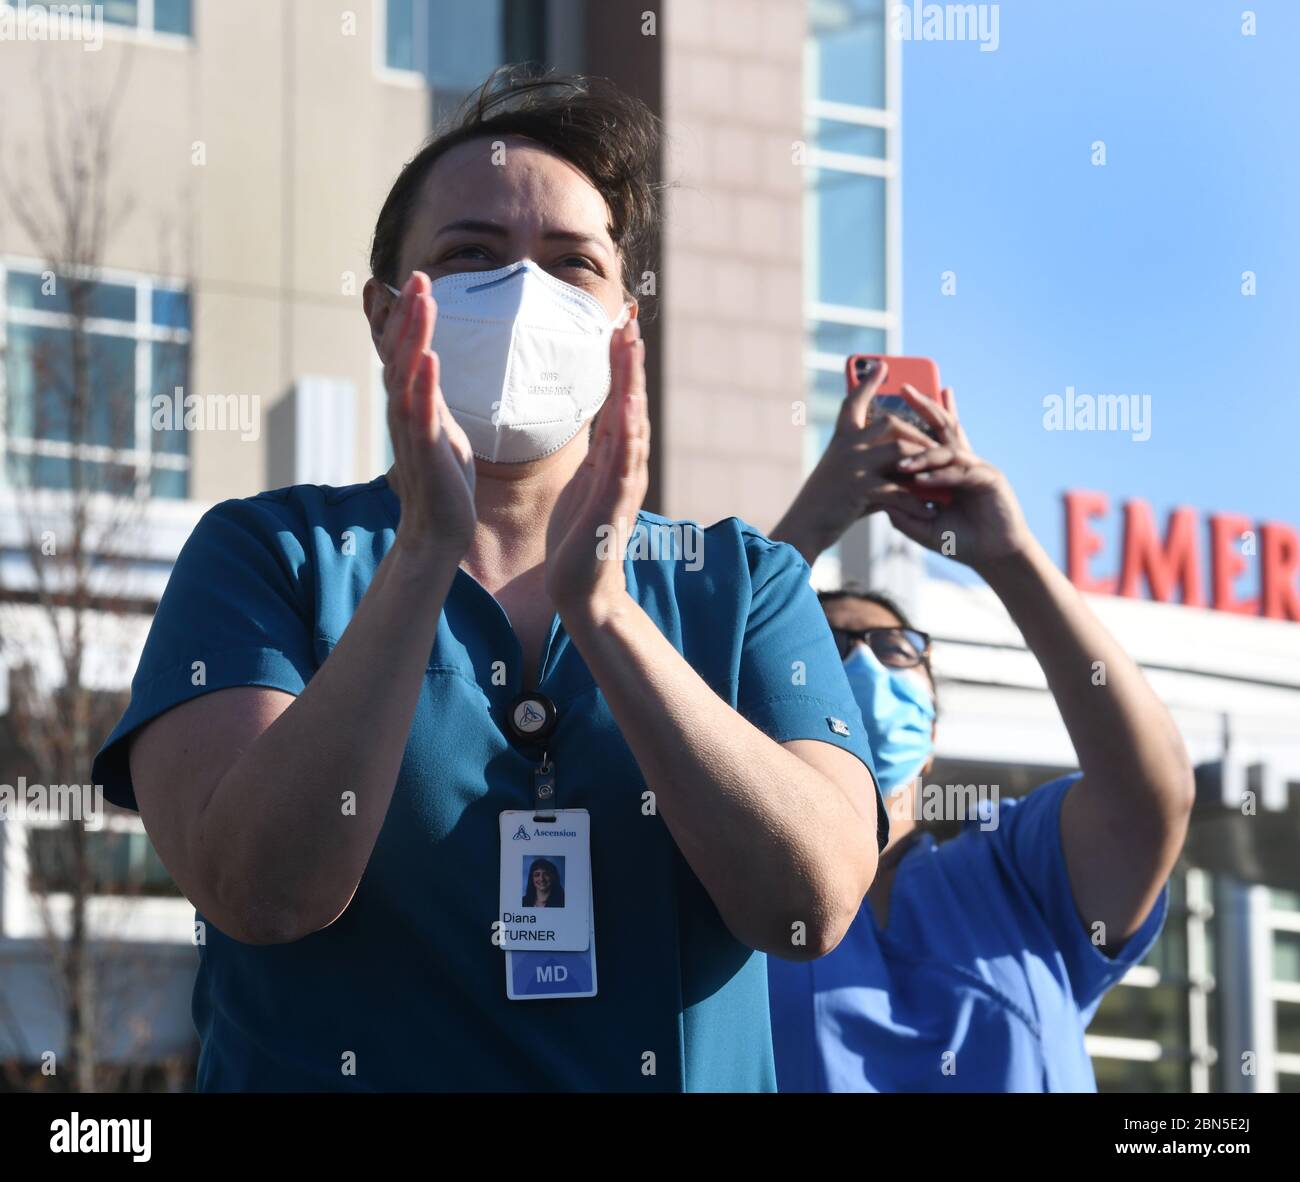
column 919, row 372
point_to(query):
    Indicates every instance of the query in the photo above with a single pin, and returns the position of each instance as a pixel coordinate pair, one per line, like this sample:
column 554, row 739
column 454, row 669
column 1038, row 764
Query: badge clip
column 544, row 790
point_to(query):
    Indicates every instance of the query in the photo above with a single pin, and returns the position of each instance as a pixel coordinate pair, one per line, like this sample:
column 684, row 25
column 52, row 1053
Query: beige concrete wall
column 298, row 138
column 732, row 295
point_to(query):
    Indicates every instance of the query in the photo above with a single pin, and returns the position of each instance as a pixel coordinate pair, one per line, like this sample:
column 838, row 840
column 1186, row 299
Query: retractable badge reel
column 532, row 721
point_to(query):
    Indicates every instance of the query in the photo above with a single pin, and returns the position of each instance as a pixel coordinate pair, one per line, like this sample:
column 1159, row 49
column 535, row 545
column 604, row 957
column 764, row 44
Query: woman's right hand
column 433, row 474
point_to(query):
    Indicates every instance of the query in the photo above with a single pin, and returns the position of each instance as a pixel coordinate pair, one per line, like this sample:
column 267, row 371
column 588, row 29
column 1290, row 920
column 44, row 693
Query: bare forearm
column 289, row 829
column 804, row 528
column 1124, row 737
column 774, row 842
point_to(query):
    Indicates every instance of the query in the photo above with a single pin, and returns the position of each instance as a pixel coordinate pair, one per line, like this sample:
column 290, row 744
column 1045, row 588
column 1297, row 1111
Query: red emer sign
column 1170, row 568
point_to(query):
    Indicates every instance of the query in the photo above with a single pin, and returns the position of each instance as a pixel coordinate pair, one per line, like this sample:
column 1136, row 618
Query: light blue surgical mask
column 897, row 714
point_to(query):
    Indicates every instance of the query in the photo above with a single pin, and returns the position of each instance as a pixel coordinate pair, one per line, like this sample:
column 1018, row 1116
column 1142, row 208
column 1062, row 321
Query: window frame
column 141, row 457
column 816, row 312
column 394, row 75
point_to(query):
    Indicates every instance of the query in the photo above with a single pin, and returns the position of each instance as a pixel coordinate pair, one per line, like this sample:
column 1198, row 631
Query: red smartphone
column 918, row 372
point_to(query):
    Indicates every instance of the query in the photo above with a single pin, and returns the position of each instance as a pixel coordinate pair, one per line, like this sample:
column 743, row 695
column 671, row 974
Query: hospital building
column 253, row 142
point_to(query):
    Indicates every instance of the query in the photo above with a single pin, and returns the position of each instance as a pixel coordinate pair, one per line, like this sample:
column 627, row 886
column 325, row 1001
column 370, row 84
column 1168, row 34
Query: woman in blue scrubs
column 341, row 690
column 976, row 964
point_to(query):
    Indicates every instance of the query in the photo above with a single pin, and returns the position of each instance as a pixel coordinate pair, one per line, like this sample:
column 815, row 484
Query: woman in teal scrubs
column 976, row 964
column 325, row 726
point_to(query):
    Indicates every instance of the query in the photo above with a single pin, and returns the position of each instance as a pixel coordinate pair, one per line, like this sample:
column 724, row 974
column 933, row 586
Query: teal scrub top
column 406, row 979
column 984, row 979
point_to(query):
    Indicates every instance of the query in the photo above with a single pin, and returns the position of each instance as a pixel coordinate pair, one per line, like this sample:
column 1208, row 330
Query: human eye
column 469, row 252
column 574, row 264
column 901, row 648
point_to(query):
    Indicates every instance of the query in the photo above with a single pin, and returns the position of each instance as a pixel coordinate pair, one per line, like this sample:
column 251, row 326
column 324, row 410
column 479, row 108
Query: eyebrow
column 476, row 226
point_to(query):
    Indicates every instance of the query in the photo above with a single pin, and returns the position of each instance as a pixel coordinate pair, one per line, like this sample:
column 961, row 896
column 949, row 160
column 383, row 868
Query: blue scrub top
column 983, row 981
column 407, row 978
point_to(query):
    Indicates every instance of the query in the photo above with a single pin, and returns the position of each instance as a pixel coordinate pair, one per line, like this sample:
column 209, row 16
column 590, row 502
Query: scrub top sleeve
column 792, row 683
column 235, row 612
column 1029, row 832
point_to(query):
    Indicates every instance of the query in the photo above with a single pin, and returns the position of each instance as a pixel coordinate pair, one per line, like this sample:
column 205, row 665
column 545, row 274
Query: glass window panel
column 817, row 437
column 1159, row 1013
column 122, row 12
column 1124, row 1075
column 844, row 59
column 1286, row 900
column 60, row 473
column 170, row 370
column 827, row 390
column 120, row 863
column 106, row 301
column 18, row 469
column 38, row 379
column 1286, row 956
column 524, row 31
column 172, row 483
column 24, row 289
column 112, row 301
column 171, row 309
column 173, row 16
column 466, row 42
column 400, row 35
column 110, row 393
column 845, row 339
column 51, row 472
column 849, row 230
column 854, row 138
column 1169, row 953
column 826, row 394
column 49, row 859
column 116, row 479
column 1288, row 1027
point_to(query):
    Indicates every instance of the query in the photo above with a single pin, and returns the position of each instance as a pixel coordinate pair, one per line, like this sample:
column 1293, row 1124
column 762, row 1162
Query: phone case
column 923, row 374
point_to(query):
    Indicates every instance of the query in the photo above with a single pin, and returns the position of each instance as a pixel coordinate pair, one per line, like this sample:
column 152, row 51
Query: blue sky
column 1122, row 279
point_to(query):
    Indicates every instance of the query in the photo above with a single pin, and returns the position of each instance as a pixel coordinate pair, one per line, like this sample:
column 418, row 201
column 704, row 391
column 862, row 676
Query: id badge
column 545, row 882
column 532, row 975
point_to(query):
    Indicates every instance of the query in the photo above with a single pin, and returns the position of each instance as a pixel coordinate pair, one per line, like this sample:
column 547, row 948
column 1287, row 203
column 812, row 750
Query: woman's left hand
column 984, row 523
column 588, row 533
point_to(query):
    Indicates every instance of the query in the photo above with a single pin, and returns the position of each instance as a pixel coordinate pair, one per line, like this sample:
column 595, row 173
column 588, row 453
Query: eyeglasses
column 895, row 648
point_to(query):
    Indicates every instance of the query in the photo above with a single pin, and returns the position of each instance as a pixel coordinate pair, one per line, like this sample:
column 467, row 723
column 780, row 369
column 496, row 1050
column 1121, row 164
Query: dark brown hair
column 609, row 136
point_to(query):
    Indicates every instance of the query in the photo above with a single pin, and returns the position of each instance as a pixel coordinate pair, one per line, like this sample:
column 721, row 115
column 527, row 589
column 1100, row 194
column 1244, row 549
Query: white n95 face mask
column 524, row 357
